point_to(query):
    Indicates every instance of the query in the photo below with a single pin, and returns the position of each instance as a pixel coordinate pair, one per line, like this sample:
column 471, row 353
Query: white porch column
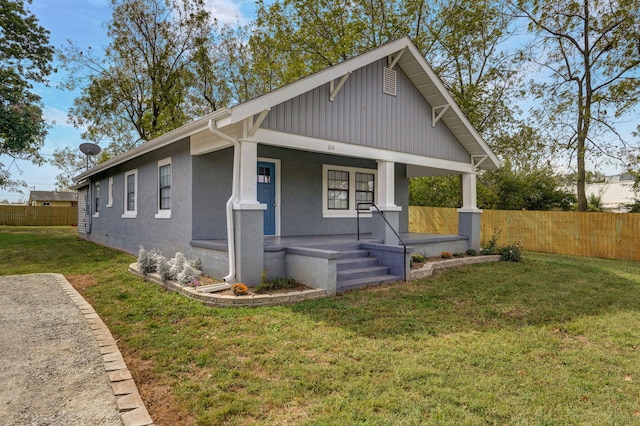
column 385, row 194
column 385, row 186
column 469, row 191
column 248, row 167
column 469, row 214
column 248, row 218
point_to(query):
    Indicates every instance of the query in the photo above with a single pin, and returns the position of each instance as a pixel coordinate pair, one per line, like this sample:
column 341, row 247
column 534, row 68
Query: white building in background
column 615, row 193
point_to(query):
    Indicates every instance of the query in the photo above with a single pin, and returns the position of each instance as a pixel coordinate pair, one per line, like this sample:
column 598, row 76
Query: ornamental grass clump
column 278, row 283
column 239, row 289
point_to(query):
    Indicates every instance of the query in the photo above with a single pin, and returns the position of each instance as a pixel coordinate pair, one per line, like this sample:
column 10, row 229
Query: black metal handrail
column 404, row 245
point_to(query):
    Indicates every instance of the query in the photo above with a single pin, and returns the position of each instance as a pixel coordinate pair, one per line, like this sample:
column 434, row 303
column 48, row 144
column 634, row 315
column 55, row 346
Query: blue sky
column 84, row 22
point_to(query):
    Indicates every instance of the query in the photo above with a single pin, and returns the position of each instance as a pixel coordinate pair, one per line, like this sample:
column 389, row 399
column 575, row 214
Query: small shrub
column 418, row 258
column 145, row 261
column 492, row 246
column 176, row 265
column 445, row 255
column 188, row 274
column 277, row 283
column 471, row 252
column 163, row 268
column 512, row 252
column 196, row 264
column 458, row 254
column 239, row 289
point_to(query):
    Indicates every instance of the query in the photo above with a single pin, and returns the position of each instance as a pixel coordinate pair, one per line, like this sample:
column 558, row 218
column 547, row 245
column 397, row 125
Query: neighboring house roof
column 410, row 61
column 52, row 196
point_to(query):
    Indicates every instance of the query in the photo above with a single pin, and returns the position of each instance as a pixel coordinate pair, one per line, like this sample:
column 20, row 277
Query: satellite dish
column 89, row 149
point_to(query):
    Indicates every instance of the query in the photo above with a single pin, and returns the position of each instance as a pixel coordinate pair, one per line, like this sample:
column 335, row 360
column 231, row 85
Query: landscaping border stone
column 228, row 300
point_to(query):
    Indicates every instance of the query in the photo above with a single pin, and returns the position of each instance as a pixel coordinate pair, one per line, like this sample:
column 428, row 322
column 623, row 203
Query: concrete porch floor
column 273, row 243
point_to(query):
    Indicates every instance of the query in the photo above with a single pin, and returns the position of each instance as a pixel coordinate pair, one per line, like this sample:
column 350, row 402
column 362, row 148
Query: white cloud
column 57, row 115
column 228, row 11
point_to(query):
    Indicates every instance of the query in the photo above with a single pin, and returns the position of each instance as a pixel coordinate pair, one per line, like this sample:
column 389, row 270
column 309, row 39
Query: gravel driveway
column 51, row 368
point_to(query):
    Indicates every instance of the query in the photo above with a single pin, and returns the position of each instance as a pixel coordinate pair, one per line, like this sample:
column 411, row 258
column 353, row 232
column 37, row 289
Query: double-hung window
column 96, row 207
column 164, row 189
column 110, row 193
column 344, row 187
column 130, row 194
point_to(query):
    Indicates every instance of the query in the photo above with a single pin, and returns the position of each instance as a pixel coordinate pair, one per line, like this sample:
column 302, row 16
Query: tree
column 25, row 58
column 148, row 81
column 591, row 49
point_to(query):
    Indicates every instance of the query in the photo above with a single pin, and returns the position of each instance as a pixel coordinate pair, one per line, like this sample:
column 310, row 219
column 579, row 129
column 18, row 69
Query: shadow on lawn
column 545, row 290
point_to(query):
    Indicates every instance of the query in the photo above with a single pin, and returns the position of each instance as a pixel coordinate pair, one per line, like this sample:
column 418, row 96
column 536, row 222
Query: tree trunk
column 582, row 196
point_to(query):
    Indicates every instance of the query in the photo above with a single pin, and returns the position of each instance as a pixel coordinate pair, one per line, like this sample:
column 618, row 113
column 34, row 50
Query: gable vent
column 389, row 81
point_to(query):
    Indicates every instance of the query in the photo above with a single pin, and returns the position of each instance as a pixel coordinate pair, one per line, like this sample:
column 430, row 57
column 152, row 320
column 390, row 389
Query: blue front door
column 267, row 194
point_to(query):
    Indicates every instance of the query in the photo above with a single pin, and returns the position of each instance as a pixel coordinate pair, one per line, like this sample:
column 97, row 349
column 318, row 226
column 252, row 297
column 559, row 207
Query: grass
column 551, row 340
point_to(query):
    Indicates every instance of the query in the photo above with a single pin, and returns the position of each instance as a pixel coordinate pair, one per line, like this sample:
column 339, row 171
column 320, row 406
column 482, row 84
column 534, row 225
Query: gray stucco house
column 283, row 182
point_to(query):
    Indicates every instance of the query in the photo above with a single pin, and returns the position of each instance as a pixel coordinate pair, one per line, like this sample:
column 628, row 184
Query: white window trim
column 95, row 207
column 166, row 213
column 351, row 212
column 131, row 214
column 110, row 193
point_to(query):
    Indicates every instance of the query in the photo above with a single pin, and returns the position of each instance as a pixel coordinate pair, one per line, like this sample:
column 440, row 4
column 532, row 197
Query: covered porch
column 338, row 263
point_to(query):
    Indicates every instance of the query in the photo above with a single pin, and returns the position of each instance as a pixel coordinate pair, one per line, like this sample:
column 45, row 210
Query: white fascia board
column 278, row 96
column 453, row 105
column 324, row 146
column 159, row 142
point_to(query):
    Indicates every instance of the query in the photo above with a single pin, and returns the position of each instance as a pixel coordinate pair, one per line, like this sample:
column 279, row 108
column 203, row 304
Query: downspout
column 231, row 244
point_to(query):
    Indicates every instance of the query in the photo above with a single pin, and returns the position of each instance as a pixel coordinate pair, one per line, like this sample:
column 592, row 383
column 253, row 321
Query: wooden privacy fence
column 38, row 215
column 608, row 235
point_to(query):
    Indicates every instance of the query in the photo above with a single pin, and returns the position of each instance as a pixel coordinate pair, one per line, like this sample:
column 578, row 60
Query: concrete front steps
column 356, row 269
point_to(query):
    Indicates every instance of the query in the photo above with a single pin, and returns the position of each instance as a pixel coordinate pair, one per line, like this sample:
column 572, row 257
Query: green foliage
column 491, row 247
column 418, row 258
column 512, row 252
column 635, row 207
column 471, row 252
column 594, row 203
column 438, row 191
column 25, row 58
column 506, row 189
column 458, row 254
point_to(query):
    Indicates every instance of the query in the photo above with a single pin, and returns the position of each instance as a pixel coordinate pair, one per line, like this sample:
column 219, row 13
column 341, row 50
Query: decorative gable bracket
column 335, row 90
column 391, row 61
column 477, row 160
column 437, row 113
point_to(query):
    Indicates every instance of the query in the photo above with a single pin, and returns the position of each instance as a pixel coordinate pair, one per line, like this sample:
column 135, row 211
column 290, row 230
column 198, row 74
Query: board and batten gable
column 363, row 114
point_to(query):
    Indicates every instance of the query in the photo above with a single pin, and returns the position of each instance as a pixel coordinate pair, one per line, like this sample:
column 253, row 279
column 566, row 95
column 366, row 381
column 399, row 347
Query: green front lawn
column 551, row 340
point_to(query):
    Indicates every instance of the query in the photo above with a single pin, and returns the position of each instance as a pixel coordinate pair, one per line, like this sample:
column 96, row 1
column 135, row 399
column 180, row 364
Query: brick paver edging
column 132, row 409
column 430, row 267
column 228, row 300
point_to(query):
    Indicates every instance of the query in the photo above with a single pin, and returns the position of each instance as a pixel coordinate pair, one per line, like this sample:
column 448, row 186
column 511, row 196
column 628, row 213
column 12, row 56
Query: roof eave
column 159, row 142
